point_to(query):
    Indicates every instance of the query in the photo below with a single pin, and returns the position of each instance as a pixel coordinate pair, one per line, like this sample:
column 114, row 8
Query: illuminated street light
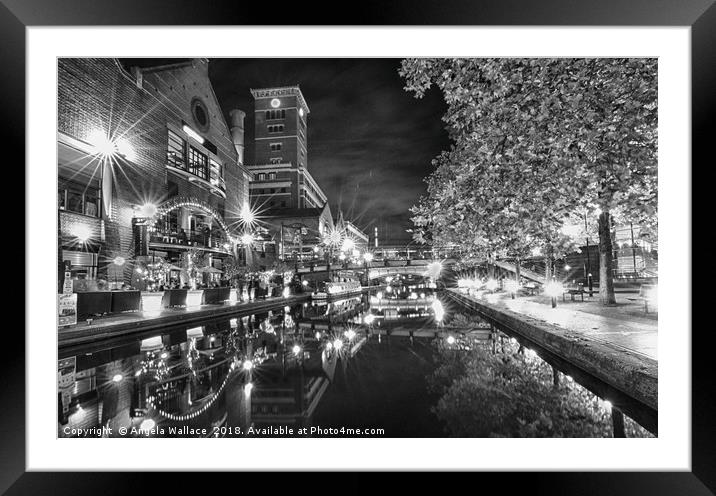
column 148, row 210
column 147, row 425
column 117, row 378
column 247, row 239
column 101, row 143
column 304, row 283
column 368, row 319
column 553, row 289
column 296, row 349
column 512, row 287
column 337, row 343
column 368, row 257
column 246, row 215
column 81, row 232
column 450, row 340
column 350, row 334
column 119, row 261
column 491, row 285
column 347, row 245
column 248, row 365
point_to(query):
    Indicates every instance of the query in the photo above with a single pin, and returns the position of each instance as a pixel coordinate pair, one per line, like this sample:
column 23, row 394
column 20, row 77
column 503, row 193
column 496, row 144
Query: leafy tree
column 534, row 142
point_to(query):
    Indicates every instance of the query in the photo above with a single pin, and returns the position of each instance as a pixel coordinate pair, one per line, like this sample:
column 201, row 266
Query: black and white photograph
column 428, row 243
column 357, row 247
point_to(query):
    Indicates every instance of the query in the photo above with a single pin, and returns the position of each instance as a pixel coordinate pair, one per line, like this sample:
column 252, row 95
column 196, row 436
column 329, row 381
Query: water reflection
column 365, row 361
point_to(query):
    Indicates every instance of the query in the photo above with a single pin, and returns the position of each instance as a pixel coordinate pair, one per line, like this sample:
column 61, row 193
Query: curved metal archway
column 187, row 201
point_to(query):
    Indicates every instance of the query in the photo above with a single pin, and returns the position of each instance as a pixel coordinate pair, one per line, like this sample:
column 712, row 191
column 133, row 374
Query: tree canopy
column 536, row 144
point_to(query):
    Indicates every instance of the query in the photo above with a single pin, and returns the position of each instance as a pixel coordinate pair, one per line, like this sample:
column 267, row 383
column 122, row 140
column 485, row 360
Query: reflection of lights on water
column 147, row 425
column 247, row 388
column 450, row 340
column 117, row 378
column 368, row 319
column 248, row 365
column 438, row 310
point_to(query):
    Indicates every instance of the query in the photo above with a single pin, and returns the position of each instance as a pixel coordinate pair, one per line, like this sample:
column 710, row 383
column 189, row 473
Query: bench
column 530, row 289
column 571, row 292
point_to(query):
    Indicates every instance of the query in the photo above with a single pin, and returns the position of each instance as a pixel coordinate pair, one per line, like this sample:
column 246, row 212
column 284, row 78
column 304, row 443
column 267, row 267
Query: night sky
column 370, row 143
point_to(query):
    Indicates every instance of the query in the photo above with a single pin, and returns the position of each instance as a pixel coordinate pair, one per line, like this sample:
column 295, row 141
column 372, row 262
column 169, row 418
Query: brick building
column 289, row 201
column 147, row 167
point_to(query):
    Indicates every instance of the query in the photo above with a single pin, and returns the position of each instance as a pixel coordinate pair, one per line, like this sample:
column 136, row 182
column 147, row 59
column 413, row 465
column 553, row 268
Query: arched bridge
column 381, row 268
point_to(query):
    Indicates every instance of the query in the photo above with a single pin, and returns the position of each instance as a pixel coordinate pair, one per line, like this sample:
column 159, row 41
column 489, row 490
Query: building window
column 276, row 160
column 275, row 114
column 283, row 190
column 275, row 147
column 175, row 150
column 283, row 203
column 79, row 199
column 272, row 176
column 217, row 172
column 276, row 128
column 262, row 177
column 198, row 163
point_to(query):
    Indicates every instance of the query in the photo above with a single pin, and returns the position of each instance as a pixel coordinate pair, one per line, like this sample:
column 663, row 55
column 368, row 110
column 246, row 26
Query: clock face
column 300, row 112
column 275, row 102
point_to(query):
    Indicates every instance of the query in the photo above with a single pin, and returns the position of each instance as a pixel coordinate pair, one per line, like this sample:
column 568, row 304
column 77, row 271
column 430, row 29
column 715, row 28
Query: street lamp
column 553, row 289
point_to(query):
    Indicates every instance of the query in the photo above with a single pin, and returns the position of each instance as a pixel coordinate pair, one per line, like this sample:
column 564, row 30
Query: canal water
column 393, row 363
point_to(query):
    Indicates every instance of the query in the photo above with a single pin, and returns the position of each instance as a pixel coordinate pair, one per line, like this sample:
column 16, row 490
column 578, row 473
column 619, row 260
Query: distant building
column 287, row 199
column 360, row 239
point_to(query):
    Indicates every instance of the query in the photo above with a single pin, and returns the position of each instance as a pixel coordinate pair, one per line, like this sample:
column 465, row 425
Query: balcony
column 184, row 240
column 215, row 184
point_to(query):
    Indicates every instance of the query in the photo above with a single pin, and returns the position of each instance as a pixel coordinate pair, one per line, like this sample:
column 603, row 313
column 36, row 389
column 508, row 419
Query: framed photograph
column 428, row 242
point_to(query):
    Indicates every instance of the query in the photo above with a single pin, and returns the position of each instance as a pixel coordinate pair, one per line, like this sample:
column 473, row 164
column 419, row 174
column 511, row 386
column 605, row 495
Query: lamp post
column 589, row 266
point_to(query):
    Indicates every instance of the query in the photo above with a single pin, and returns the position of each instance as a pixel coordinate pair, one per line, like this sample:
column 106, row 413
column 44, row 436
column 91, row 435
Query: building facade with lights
column 287, row 198
column 148, row 167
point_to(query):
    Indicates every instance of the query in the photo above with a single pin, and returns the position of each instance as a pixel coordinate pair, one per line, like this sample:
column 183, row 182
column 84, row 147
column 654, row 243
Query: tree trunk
column 517, row 270
column 606, row 276
column 547, row 269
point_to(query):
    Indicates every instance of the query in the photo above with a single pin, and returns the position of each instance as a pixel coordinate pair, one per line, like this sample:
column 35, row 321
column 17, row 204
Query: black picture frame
column 700, row 15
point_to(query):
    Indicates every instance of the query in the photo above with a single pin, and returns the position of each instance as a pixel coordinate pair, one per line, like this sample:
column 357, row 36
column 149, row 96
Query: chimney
column 237, row 132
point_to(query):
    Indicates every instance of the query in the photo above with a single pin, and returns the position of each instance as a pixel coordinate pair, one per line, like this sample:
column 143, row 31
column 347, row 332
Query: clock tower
column 280, row 116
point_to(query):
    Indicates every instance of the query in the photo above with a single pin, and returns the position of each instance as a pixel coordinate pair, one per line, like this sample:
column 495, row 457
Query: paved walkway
column 625, row 325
